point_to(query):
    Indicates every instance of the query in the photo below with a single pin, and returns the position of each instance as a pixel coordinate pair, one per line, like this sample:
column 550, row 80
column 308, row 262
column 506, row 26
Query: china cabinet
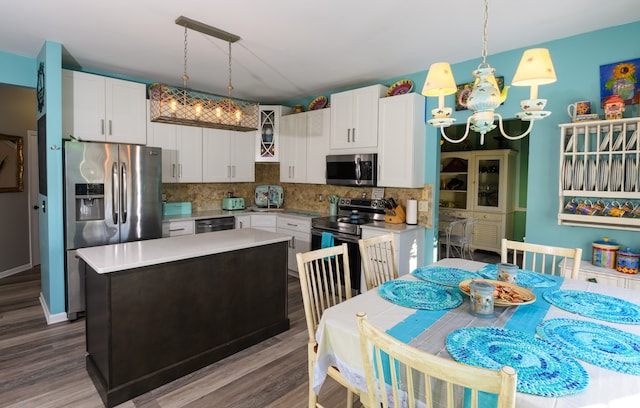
column 479, row 184
column 599, row 178
column 267, row 144
column 354, row 119
column 102, row 109
column 401, row 141
column 227, row 156
column 304, row 146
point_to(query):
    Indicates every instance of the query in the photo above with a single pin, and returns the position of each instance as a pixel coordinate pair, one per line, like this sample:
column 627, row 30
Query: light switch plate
column 423, row 205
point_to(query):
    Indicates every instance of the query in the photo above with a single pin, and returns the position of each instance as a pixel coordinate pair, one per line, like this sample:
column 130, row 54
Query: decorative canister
column 603, row 253
column 628, row 261
column 507, row 272
column 481, row 297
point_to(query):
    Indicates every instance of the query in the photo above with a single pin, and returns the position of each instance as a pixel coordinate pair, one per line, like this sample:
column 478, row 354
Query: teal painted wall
column 18, row 70
column 51, row 221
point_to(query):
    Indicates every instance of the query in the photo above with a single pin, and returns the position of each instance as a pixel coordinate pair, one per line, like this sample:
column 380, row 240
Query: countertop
column 129, row 255
column 199, row 215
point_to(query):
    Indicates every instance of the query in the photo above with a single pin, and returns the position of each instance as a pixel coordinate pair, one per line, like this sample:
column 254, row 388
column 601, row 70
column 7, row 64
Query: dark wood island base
column 150, row 325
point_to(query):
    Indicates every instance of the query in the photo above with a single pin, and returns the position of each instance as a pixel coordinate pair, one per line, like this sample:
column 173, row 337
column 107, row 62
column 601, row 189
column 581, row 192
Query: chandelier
column 184, row 106
column 535, row 69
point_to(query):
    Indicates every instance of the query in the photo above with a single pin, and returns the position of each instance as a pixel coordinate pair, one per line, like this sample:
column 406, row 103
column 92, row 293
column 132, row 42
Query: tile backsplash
column 308, row 197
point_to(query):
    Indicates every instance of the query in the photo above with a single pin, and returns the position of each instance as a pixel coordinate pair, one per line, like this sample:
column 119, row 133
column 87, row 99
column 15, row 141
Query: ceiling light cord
column 230, row 87
column 185, row 77
column 484, row 35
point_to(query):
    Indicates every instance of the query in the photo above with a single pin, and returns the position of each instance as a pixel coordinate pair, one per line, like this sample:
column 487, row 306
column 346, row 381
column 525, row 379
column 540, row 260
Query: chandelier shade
column 189, row 107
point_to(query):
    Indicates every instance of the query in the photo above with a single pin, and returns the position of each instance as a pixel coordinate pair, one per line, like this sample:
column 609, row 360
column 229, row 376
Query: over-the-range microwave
column 352, row 169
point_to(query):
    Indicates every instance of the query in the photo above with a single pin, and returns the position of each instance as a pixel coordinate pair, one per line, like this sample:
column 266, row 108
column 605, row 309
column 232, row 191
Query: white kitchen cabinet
column 181, row 151
column 293, row 148
column 243, row 221
column 401, row 141
column 354, row 119
column 606, row 276
column 267, row 142
column 300, row 231
column 176, row 228
column 479, row 184
column 408, row 243
column 102, row 109
column 266, row 222
column 227, row 156
column 304, row 146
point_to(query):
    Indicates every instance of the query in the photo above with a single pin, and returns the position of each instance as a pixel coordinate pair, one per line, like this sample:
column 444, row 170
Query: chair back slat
column 392, row 369
column 541, row 258
column 378, row 260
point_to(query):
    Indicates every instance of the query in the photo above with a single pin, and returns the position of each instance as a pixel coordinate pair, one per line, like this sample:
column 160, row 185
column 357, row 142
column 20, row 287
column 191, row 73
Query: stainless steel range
column 346, row 227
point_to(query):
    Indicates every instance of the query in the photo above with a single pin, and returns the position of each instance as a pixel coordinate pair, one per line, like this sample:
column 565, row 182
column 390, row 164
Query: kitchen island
column 157, row 310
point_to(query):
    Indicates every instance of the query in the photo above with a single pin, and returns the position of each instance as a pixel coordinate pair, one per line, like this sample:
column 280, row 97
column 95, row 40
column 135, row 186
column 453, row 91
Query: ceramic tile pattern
column 308, row 197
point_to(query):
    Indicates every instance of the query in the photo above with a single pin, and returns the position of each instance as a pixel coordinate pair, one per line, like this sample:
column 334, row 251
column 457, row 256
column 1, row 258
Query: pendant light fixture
column 535, row 68
column 185, row 106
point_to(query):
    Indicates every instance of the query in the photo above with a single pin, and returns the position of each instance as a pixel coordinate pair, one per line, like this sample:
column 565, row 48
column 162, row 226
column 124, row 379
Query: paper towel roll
column 412, row 212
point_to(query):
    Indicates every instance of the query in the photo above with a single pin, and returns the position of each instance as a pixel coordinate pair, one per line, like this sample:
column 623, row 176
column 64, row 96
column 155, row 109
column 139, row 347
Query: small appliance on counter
column 269, row 196
column 232, row 203
column 394, row 212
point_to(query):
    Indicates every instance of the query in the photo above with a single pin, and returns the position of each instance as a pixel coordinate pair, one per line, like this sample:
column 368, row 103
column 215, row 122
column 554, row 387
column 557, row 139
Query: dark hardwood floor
column 42, row 366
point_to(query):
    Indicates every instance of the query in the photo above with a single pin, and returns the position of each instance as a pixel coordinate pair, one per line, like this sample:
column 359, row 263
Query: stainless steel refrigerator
column 113, row 194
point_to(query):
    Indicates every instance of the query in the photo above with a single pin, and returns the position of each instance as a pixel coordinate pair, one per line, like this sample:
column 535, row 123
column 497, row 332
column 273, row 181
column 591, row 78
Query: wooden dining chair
column 398, row 374
column 325, row 281
column 542, row 258
column 378, row 260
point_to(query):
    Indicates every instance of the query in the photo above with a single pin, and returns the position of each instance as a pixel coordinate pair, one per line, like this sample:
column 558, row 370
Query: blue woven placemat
column 420, row 295
column 594, row 343
column 444, row 275
column 543, row 369
column 525, row 278
column 595, row 305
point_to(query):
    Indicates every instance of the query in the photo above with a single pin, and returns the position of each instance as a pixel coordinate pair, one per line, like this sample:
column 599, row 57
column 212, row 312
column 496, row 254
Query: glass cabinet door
column 489, row 189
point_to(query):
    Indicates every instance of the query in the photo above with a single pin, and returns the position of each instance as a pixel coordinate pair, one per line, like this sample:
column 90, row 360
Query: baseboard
column 51, row 319
column 15, row 270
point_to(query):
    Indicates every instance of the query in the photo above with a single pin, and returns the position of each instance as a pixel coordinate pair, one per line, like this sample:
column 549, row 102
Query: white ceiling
column 291, row 49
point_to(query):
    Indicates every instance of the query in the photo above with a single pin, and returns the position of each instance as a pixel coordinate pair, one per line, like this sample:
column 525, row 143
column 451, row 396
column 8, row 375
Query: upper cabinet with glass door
column 268, row 133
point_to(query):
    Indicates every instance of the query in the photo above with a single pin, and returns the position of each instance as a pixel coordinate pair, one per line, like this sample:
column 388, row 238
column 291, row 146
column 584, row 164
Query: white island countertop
column 129, row 255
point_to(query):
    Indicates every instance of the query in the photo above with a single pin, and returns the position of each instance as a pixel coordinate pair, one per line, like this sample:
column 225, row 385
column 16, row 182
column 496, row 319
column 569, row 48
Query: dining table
column 607, row 380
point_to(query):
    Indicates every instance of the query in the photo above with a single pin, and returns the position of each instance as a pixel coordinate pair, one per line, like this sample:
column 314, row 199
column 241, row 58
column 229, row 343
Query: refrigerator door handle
column 114, row 192
column 123, row 193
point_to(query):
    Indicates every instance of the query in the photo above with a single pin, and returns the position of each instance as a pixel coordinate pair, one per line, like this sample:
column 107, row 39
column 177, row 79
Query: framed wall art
column 11, row 163
column 464, row 90
column 620, row 78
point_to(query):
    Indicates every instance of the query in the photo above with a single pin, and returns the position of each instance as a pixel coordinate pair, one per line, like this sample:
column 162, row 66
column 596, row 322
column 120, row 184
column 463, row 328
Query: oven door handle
column 337, row 235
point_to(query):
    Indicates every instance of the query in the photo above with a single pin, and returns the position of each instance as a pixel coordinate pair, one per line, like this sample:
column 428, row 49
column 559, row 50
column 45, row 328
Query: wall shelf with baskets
column 599, row 178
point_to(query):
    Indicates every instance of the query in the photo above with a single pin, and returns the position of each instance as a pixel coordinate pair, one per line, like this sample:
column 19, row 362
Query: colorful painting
column 620, row 78
column 464, row 90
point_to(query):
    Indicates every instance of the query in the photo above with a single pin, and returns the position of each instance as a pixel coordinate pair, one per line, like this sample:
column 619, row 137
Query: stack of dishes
column 567, row 171
column 603, row 175
column 591, row 176
column 578, row 175
column 616, row 175
column 630, row 174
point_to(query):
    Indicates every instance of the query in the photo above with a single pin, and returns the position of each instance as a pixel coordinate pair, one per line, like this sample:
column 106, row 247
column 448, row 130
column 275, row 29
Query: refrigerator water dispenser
column 89, row 202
